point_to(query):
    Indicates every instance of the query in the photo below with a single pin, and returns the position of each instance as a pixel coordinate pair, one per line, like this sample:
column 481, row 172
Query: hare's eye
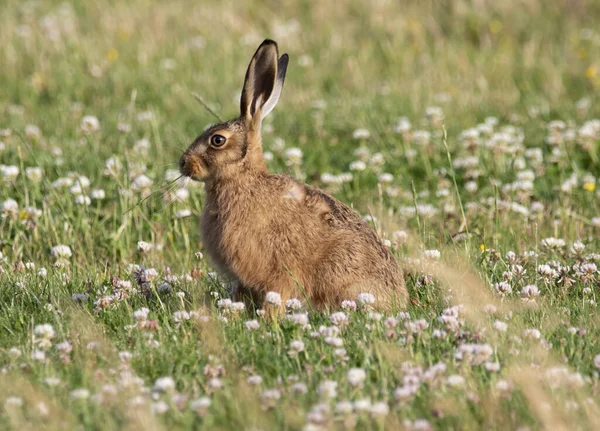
column 217, row 140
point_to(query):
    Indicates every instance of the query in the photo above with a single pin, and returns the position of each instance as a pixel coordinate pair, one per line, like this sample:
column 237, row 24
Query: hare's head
column 227, row 148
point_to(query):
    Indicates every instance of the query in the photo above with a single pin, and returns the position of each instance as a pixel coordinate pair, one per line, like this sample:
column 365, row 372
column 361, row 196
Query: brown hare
column 271, row 233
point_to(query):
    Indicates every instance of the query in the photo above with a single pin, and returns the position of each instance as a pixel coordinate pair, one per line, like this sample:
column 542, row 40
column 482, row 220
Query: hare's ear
column 264, row 81
column 282, row 64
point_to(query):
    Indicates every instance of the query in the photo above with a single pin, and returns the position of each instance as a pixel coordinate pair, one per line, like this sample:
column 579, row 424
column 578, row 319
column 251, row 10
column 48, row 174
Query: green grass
column 355, row 65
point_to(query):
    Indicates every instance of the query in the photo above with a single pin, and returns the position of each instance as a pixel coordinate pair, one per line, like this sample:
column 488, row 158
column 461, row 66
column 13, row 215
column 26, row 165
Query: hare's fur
column 271, row 233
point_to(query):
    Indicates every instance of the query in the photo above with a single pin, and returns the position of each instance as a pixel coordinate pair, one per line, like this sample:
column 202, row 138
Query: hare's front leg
column 253, row 300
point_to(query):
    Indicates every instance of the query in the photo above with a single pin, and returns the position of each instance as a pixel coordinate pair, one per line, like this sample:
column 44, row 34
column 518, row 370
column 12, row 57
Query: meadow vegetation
column 467, row 132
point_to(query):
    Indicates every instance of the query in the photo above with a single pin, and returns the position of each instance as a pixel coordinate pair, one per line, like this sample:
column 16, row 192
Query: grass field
column 467, row 131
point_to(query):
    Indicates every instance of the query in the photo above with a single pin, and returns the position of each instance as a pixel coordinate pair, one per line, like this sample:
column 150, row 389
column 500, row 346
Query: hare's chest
column 212, row 242
column 233, row 240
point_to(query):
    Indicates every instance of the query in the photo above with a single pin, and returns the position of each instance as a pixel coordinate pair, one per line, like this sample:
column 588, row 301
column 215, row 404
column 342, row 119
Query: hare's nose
column 182, row 164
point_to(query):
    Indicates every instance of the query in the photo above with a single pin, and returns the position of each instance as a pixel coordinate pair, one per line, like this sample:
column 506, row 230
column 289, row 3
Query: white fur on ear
column 261, row 79
column 282, row 64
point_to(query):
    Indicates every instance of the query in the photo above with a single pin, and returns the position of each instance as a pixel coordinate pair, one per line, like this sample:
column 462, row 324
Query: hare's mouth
column 192, row 168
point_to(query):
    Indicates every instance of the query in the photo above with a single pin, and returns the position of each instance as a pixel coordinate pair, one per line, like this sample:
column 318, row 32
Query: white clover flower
column 399, row 237
column 377, row 161
column 112, row 166
column 9, row 207
column 339, row 318
column 334, row 341
column 164, row 384
column 270, row 395
column 151, row 273
column 348, row 305
column 34, row 174
column 80, row 394
column 98, row 194
column 471, row 186
column 254, row 380
column 366, row 299
column 293, row 157
column 61, row 252
column 362, row 153
column 62, row 183
column 39, row 355
column 141, row 184
column 432, row 254
column 597, row 361
column 144, row 247
column 376, row 317
column 89, row 124
column 64, row 347
column 201, row 405
column 356, row 376
column 13, row 402
column 577, row 247
column 503, row 288
column 215, row 383
column 328, row 389
column 83, row 200
column 145, row 116
column 76, row 189
column 183, row 214
column 32, row 131
column 172, row 174
column 181, row 195
column 141, row 314
column 159, row 407
column 14, row 352
column 385, row 178
column 125, row 356
column 141, row 147
column 273, row 299
column 492, row 367
column 344, row 407
column 52, row 381
column 293, row 304
column 237, row 307
column 252, row 325
column 124, row 127
column 533, row 334
column 224, row 303
column 297, row 345
column 180, row 316
column 421, row 137
column 358, row 165
column 455, row 380
column 403, row 125
column 299, row 388
column 530, row 291
column 500, row 326
column 362, row 404
column 379, row 409
column 42, row 272
column 9, row 173
column 553, row 243
column 439, row 334
column 361, row 134
column 44, row 331
column 300, row 319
